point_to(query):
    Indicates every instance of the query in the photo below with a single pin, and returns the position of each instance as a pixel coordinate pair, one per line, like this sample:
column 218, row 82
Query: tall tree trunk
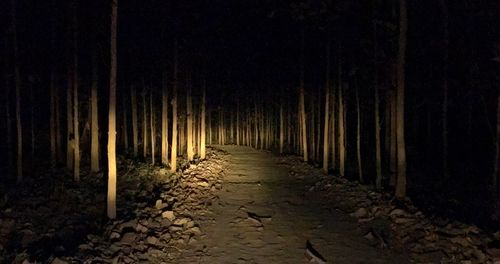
column 358, row 133
column 53, row 98
column 76, row 130
column 164, row 121
column 393, row 137
column 400, row 128
column 8, row 122
column 135, row 126
column 173, row 155
column 70, row 149
column 341, row 118
column 189, row 121
column 494, row 178
column 111, row 199
column 152, row 126
column 302, row 107
column 444, row 110
column 326, row 146
column 125, row 123
column 144, row 124
column 94, row 144
column 378, row 158
column 32, row 119
column 203, row 129
column 282, row 125
column 333, row 124
column 17, row 77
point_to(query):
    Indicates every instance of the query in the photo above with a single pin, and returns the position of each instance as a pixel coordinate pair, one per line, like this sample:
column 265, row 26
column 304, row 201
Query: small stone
column 152, row 240
column 128, row 238
column 114, row 236
column 140, row 228
column 203, row 184
column 360, row 213
column 59, row 261
column 168, row 215
column 195, row 230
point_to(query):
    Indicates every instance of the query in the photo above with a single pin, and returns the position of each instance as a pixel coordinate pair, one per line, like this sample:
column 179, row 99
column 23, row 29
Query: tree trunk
column 189, row 121
column 282, row 125
column 17, row 77
column 400, row 97
column 53, row 145
column 32, row 120
column 152, row 127
column 8, row 122
column 341, row 125
column 326, row 146
column 164, row 122
column 111, row 199
column 76, row 130
column 358, row 134
column 125, row 123
column 173, row 155
column 203, row 129
column 94, row 144
column 494, row 178
column 378, row 159
column 444, row 110
column 144, row 124
column 135, row 126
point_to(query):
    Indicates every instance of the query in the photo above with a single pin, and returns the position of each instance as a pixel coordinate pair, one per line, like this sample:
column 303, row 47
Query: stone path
column 264, row 216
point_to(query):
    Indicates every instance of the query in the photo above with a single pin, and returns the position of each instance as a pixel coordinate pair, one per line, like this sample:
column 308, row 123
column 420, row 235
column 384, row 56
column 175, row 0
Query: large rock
column 168, row 215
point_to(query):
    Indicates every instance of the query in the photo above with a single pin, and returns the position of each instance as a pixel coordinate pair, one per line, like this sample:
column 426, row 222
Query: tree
column 189, row 122
column 164, row 120
column 173, row 155
column 76, row 130
column 302, row 110
column 17, row 78
column 358, row 134
column 135, row 127
column 400, row 103
column 94, row 145
column 152, row 125
column 341, row 119
column 144, row 124
column 111, row 199
column 326, row 146
column 203, row 128
column 444, row 110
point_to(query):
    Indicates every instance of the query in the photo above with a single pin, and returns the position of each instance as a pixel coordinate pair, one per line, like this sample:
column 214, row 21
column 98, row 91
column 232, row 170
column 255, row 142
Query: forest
column 400, row 97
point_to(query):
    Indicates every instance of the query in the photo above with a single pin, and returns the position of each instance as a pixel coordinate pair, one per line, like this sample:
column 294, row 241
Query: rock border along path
column 264, row 215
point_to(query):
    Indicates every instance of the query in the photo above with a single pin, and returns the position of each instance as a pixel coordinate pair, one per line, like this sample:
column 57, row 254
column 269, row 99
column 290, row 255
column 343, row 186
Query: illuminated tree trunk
column 94, row 144
column 203, row 128
column 152, row 125
column 135, row 126
column 111, row 199
column 238, row 124
column 326, row 146
column 333, row 134
column 358, row 134
column 173, row 156
column 144, row 124
column 17, row 77
column 444, row 110
column 400, row 96
column 164, row 122
column 312, row 128
column 76, row 130
column 189, row 125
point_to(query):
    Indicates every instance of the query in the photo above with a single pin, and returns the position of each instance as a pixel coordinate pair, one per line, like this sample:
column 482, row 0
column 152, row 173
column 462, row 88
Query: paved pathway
column 256, row 188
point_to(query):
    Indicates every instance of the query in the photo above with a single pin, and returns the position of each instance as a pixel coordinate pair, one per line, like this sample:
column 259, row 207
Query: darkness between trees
column 403, row 95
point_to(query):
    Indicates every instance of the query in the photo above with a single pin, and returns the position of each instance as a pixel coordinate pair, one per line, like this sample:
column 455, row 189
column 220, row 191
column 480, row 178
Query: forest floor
column 240, row 205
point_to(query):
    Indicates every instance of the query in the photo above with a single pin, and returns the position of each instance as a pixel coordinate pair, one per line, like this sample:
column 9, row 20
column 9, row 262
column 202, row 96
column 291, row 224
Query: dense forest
column 402, row 95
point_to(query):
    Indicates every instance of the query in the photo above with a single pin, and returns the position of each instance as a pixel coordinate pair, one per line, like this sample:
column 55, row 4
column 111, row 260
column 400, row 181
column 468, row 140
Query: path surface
column 255, row 183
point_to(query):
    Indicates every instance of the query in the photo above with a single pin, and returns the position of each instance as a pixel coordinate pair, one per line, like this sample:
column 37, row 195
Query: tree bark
column 400, row 128
column 203, row 128
column 94, row 144
column 135, row 126
column 326, row 132
column 144, row 124
column 111, row 197
column 189, row 122
column 164, row 121
column 152, row 127
column 358, row 134
column 76, row 130
column 444, row 110
column 17, row 77
column 173, row 156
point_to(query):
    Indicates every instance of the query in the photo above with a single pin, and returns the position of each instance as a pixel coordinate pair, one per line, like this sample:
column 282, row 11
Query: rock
column 128, row 238
column 397, row 212
column 203, row 184
column 59, row 261
column 360, row 213
column 159, row 204
column 129, row 225
column 152, row 240
column 195, row 231
column 141, row 228
column 479, row 255
column 181, row 221
column 168, row 215
column 114, row 236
